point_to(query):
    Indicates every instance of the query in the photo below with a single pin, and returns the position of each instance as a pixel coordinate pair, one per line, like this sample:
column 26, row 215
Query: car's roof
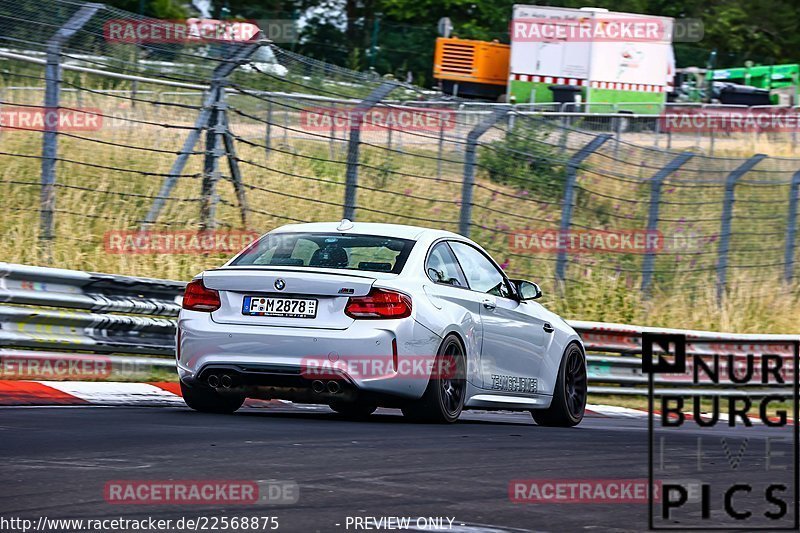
column 399, row 231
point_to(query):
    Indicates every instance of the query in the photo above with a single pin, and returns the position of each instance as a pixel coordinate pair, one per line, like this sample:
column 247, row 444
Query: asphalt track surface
column 57, row 460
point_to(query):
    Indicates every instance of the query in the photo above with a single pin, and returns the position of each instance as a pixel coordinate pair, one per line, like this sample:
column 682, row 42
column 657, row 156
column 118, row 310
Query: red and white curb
column 88, row 393
column 168, row 394
column 102, row 393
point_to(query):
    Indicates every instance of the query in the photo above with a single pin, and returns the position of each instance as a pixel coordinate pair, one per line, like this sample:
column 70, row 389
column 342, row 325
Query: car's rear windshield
column 372, row 253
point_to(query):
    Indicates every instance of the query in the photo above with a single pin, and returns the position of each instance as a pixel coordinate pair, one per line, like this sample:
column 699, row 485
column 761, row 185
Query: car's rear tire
column 444, row 396
column 354, row 410
column 569, row 395
column 207, row 400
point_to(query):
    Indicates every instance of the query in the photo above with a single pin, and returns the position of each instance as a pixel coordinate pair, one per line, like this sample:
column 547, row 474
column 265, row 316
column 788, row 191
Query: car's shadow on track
column 384, row 418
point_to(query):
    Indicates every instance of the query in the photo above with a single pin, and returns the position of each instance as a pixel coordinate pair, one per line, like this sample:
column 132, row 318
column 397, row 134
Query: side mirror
column 527, row 290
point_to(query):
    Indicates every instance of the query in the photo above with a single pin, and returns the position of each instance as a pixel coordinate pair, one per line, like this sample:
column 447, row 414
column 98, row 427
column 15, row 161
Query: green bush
column 525, row 159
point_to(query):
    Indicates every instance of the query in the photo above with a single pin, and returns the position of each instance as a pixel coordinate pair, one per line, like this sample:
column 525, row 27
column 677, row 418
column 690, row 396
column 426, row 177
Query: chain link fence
column 243, row 135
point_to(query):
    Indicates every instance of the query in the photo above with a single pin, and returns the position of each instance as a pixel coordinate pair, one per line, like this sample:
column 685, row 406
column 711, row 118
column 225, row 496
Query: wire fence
column 247, row 136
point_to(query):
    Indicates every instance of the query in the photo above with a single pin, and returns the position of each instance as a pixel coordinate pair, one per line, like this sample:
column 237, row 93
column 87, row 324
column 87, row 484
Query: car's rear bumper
column 269, row 356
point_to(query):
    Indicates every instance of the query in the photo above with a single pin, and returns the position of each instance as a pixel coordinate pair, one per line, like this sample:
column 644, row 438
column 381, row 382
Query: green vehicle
column 782, row 81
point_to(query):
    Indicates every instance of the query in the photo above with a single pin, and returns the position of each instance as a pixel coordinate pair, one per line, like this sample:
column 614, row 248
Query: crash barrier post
column 727, row 218
column 131, row 320
column 469, row 165
column 52, row 80
column 355, row 123
column 569, row 198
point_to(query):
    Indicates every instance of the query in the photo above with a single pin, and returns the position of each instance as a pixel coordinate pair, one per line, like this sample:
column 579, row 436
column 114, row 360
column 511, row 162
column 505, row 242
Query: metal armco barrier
column 614, row 358
column 132, row 316
column 94, row 313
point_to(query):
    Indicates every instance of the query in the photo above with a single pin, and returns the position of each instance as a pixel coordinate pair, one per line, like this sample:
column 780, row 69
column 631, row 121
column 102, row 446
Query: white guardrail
column 53, row 314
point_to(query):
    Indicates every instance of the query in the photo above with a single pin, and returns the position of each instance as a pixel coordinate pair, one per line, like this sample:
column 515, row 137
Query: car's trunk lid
column 330, row 291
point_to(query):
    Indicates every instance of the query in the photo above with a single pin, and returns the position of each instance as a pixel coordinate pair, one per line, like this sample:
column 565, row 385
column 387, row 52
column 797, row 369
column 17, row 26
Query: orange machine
column 477, row 69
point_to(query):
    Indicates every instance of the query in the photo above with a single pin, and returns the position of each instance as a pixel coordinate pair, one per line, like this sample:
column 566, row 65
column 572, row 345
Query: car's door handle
column 489, row 304
column 548, row 327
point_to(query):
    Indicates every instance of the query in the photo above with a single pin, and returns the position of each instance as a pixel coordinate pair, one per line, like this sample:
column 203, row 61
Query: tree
column 340, row 31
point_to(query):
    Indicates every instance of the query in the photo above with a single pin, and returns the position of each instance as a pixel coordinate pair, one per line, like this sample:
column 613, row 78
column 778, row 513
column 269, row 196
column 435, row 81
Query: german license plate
column 285, row 307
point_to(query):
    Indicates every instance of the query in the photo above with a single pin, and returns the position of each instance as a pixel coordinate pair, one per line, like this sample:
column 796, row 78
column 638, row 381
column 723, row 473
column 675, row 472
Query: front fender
column 562, row 337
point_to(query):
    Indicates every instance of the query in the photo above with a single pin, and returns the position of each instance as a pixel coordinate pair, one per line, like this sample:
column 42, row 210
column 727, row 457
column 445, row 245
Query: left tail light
column 379, row 303
column 199, row 298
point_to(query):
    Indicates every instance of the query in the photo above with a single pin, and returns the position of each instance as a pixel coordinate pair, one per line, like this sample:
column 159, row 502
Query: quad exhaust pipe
column 225, row 381
column 332, row 387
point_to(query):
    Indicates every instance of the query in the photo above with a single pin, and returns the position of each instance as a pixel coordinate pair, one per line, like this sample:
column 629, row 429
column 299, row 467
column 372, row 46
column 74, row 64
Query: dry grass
column 303, row 180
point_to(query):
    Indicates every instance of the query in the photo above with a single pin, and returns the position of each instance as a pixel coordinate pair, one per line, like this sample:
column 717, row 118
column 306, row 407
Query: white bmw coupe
column 361, row 315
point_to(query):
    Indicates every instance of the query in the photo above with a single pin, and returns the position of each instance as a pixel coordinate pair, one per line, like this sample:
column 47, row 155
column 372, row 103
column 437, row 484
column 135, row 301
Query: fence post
column 727, row 217
column 711, row 142
column 617, row 135
column 204, row 121
column 657, row 132
column 356, row 118
column 469, row 165
column 208, row 200
column 268, row 130
column 562, row 140
column 440, row 149
column 233, row 166
column 285, row 127
column 569, row 197
column 52, row 75
column 332, row 140
column 791, row 229
column 652, row 218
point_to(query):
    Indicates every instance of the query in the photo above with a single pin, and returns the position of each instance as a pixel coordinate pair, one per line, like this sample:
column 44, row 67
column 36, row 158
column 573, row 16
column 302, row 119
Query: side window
column 481, row 274
column 442, row 267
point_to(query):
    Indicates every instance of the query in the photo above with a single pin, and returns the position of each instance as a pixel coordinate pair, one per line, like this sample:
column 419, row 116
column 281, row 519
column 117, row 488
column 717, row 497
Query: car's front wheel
column 569, row 394
column 207, row 400
column 444, row 397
